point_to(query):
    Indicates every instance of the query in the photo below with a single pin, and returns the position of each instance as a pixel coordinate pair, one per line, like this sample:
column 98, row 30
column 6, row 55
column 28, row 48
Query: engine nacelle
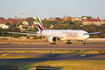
column 52, row 39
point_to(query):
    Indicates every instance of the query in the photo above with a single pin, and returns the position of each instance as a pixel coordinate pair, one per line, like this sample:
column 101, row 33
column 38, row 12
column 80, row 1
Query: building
column 66, row 18
column 3, row 26
column 20, row 19
column 10, row 20
column 73, row 18
column 93, row 21
column 77, row 19
column 51, row 19
column 41, row 18
column 103, row 20
column 25, row 23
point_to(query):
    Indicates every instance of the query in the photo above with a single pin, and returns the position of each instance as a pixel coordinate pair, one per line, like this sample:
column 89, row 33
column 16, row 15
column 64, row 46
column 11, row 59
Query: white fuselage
column 67, row 34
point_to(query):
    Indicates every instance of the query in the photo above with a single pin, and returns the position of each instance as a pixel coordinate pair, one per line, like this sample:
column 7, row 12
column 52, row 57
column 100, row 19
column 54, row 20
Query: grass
column 62, row 65
column 13, row 57
column 8, row 56
column 53, row 51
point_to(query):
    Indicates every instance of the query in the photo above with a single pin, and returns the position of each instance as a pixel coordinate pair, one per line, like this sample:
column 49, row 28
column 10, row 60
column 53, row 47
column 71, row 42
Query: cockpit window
column 85, row 33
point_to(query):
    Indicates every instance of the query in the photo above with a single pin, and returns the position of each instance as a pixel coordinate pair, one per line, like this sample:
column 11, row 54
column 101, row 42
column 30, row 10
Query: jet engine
column 52, row 39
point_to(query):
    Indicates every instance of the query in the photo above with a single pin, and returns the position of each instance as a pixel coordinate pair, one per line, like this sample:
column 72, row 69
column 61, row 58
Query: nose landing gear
column 68, row 42
column 84, row 42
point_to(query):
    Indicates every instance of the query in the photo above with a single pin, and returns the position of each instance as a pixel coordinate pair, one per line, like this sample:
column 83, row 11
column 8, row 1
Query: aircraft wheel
column 68, row 42
column 52, row 43
column 84, row 43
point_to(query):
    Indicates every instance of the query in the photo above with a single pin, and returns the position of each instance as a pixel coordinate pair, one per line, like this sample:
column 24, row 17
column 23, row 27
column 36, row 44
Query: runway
column 54, row 46
column 55, row 57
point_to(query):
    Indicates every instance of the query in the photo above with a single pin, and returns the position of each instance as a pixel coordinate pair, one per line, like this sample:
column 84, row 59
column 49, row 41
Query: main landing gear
column 68, row 42
column 52, row 43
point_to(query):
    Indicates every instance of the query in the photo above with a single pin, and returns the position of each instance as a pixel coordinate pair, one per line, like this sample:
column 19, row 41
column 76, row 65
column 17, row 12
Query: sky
column 52, row 8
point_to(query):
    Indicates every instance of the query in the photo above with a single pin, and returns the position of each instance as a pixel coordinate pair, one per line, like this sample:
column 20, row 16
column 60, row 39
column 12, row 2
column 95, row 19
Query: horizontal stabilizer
column 22, row 33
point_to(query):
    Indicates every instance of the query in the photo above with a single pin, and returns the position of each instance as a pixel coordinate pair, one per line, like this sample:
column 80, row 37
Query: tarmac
column 54, row 46
column 57, row 57
column 54, row 56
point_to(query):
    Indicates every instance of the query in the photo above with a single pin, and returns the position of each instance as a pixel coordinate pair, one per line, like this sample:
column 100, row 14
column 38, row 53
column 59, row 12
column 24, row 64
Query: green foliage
column 51, row 18
column 58, row 19
column 75, row 25
column 3, row 32
column 89, row 17
column 14, row 30
column 32, row 29
column 94, row 36
column 66, row 23
column 20, row 23
column 15, row 35
column 76, row 50
column 13, row 25
column 25, row 27
column 39, row 37
column 103, row 35
column 7, row 23
column 82, row 16
column 48, row 23
column 2, row 18
column 59, row 27
column 30, row 20
column 78, row 23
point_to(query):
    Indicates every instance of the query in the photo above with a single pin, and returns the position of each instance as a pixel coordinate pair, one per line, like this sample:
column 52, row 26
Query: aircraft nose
column 87, row 36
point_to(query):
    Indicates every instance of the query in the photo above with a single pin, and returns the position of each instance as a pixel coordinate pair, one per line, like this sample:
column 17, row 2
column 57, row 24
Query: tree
column 94, row 36
column 20, row 23
column 51, row 18
column 71, row 23
column 7, row 23
column 58, row 19
column 0, row 32
column 66, row 23
column 89, row 17
column 1, row 18
column 83, row 16
column 103, row 35
column 13, row 25
column 48, row 23
column 78, row 23
column 30, row 20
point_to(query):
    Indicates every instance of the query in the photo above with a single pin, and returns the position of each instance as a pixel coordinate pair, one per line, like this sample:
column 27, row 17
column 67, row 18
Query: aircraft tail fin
column 40, row 25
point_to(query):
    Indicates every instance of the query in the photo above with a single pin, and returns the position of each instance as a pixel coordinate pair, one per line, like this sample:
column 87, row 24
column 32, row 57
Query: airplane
column 56, row 35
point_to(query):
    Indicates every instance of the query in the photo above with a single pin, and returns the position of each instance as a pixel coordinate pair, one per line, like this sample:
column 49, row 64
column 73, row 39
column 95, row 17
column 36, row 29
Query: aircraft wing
column 93, row 33
column 29, row 31
column 33, row 34
column 23, row 33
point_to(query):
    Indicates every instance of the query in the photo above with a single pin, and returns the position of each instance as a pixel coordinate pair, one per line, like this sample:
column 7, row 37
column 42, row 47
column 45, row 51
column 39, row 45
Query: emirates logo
column 70, row 34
